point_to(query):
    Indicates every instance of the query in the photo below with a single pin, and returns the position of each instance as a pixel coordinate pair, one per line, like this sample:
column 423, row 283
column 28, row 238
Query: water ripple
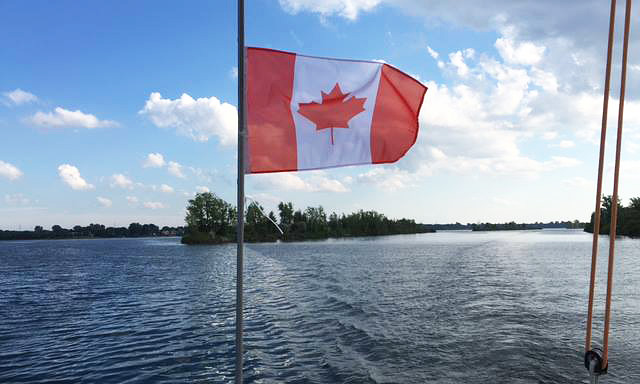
column 438, row 308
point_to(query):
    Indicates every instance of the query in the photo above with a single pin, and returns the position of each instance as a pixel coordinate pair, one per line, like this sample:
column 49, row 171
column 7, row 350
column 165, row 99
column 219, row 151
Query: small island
column 211, row 220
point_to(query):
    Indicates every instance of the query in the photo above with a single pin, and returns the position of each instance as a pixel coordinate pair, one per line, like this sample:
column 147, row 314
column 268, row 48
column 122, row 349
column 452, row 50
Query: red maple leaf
column 334, row 111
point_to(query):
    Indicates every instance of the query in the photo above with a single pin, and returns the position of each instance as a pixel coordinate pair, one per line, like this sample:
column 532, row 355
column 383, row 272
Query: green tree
column 316, row 222
column 209, row 214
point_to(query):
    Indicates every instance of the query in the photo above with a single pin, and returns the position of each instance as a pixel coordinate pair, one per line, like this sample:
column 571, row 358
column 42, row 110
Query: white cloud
column 9, row 171
column 16, row 199
column 201, row 189
column 132, row 199
column 154, row 160
column 265, row 198
column 153, row 205
column 432, row 52
column 545, row 80
column 578, row 182
column 388, row 179
column 175, row 169
column 317, row 181
column 478, row 123
column 19, row 97
column 564, row 144
column 104, row 201
column 503, row 201
column 348, row 9
column 199, row 119
column 469, row 53
column 204, row 175
column 456, row 59
column 61, row 117
column 562, row 162
column 510, row 92
column 526, row 53
column 166, row 188
column 71, row 175
column 121, row 181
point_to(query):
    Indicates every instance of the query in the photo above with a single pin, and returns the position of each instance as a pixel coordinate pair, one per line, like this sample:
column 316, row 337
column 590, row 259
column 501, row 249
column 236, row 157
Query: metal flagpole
column 240, row 205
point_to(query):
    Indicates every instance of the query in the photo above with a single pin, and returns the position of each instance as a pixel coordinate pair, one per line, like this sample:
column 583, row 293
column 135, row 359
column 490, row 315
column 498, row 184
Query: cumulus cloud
column 457, row 60
column 154, row 160
column 505, row 110
column 317, row 181
column 388, row 179
column 16, row 199
column 578, row 182
column 71, row 176
column 121, row 181
column 61, row 117
column 492, row 106
column 153, row 205
column 540, row 32
column 564, row 144
column 9, row 171
column 166, row 188
column 19, row 97
column 175, row 169
column 132, row 199
column 201, row 189
column 103, row 201
column 432, row 53
column 200, row 119
column 512, row 52
column 348, row 9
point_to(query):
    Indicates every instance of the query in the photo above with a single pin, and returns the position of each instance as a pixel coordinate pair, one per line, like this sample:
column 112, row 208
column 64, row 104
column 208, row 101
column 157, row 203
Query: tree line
column 210, row 219
column 627, row 223
column 512, row 225
column 92, row 230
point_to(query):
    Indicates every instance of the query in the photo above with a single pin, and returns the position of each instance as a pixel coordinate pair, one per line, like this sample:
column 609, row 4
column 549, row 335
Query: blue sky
column 509, row 126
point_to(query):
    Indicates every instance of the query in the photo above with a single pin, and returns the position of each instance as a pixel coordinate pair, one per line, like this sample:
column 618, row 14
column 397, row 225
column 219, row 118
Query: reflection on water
column 449, row 307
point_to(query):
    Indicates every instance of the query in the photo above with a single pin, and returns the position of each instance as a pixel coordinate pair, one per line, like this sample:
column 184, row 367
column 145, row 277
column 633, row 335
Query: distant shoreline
column 96, row 238
column 294, row 241
column 134, row 230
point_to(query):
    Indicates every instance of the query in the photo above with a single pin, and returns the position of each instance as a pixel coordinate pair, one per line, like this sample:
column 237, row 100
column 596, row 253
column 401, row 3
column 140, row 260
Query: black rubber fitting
column 593, row 362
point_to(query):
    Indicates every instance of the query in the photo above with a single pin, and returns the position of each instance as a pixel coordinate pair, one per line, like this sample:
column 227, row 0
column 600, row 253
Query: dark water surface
column 501, row 307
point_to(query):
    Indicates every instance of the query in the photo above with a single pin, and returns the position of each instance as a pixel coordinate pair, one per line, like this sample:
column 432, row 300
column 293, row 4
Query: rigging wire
column 603, row 138
column 616, row 177
column 264, row 214
column 596, row 360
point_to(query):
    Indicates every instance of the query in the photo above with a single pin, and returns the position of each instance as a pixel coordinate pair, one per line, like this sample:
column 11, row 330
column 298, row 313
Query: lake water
column 449, row 307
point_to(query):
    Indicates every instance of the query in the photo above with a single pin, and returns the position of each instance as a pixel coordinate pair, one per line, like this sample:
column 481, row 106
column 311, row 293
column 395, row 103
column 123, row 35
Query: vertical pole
column 603, row 137
column 614, row 199
column 240, row 205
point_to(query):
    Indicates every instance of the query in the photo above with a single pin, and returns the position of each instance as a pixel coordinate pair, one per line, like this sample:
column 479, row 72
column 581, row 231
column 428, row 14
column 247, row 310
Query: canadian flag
column 307, row 112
